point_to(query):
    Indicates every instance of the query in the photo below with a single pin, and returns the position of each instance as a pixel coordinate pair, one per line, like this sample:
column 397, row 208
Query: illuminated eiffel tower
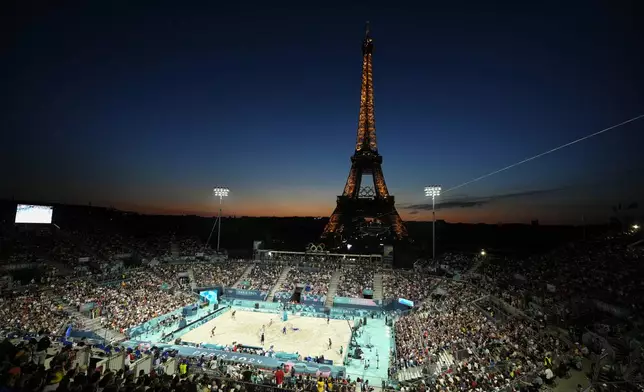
column 365, row 208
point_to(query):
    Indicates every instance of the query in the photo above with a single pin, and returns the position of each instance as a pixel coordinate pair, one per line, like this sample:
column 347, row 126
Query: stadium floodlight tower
column 433, row 191
column 220, row 192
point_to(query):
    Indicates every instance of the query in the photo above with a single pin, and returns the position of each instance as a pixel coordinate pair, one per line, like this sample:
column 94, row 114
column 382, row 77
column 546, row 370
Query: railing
column 114, row 363
column 143, row 364
column 247, row 386
column 616, row 386
column 506, row 307
column 590, row 337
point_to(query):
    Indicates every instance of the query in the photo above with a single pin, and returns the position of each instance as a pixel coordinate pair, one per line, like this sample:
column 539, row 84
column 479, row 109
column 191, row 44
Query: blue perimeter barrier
column 197, row 323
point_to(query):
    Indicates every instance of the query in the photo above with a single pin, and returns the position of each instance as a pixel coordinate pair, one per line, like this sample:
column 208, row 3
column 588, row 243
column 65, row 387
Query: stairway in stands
column 409, row 374
column 479, row 261
column 445, row 361
column 333, row 288
column 175, row 252
column 432, row 289
column 603, row 377
column 377, row 286
column 93, row 325
column 278, row 284
column 191, row 278
column 244, row 275
column 621, row 349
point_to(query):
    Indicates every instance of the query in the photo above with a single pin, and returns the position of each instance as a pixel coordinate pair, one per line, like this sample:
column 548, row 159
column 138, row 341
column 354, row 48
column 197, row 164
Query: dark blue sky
column 148, row 108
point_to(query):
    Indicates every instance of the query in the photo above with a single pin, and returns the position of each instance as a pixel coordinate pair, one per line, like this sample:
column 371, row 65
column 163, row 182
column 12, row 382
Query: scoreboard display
column 29, row 213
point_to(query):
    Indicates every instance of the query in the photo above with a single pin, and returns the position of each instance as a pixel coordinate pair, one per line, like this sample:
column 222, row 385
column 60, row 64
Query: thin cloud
column 470, row 202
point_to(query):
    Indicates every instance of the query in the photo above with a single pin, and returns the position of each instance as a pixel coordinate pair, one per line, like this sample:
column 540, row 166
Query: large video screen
column 26, row 213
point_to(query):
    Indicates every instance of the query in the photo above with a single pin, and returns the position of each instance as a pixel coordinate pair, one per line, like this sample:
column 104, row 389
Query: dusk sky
column 149, row 108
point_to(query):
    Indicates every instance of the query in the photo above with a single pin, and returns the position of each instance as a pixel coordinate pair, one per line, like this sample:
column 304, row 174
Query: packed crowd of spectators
column 330, row 262
column 606, row 265
column 495, row 352
column 461, row 317
column 173, row 274
column 133, row 302
column 354, row 281
column 97, row 244
column 106, row 246
column 408, row 285
column 260, row 278
column 450, row 263
column 246, row 378
column 316, row 280
column 458, row 262
column 225, row 274
column 37, row 245
column 23, row 370
column 31, row 312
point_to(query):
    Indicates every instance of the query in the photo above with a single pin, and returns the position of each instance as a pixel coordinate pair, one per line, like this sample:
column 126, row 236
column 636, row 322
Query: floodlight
column 433, row 191
column 221, row 192
column 483, row 253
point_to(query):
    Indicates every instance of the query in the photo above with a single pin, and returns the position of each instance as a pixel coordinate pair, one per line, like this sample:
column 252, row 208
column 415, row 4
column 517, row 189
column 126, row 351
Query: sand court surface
column 310, row 338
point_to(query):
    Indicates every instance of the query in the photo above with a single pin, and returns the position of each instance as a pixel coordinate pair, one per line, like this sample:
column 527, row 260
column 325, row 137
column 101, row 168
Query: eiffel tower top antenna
column 367, row 44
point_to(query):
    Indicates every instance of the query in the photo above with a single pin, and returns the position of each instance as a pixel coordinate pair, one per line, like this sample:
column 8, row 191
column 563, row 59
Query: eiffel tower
column 365, row 209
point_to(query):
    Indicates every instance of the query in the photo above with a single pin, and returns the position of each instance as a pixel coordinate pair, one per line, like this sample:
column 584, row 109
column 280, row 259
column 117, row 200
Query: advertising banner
column 315, row 300
column 255, row 295
column 360, row 303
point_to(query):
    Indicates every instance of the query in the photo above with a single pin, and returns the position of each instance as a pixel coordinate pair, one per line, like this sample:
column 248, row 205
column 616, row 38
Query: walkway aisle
column 377, row 286
column 333, row 287
column 191, row 279
column 278, row 284
column 244, row 275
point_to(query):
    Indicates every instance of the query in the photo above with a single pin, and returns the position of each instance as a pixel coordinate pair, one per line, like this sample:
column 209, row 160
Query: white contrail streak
column 546, row 152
